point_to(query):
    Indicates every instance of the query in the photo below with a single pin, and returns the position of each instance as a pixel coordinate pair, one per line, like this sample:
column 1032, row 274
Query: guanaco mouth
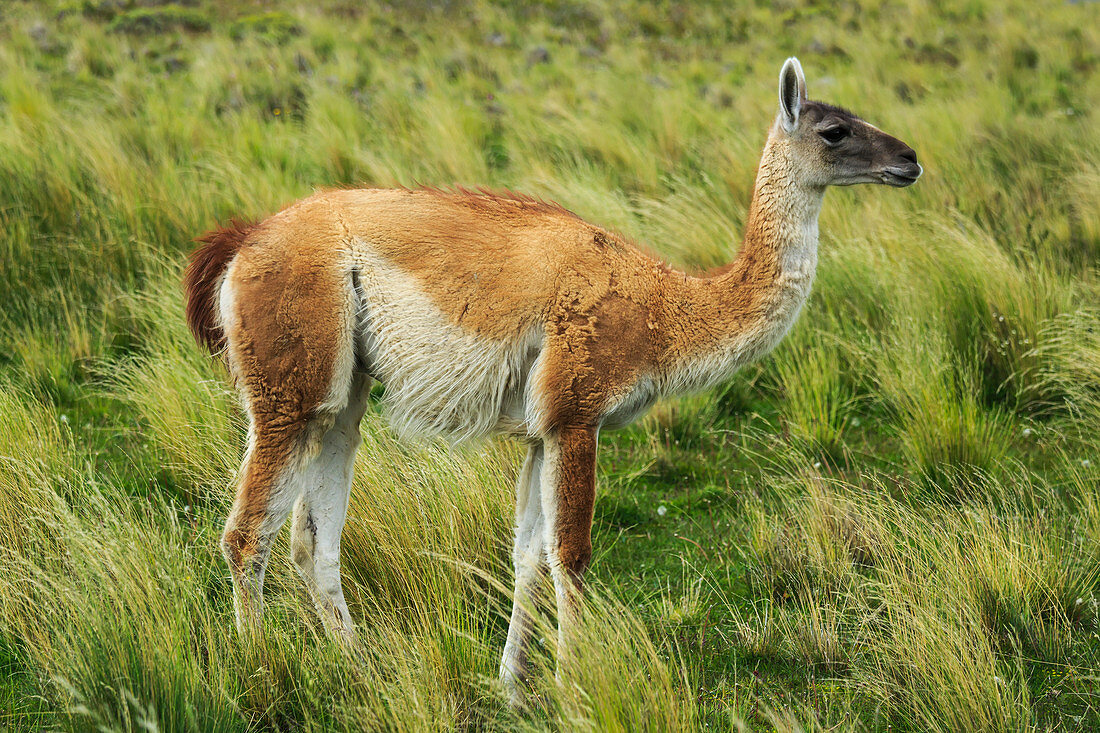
column 900, row 178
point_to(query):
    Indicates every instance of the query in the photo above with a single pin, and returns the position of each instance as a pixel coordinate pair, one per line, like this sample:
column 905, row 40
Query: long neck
column 742, row 311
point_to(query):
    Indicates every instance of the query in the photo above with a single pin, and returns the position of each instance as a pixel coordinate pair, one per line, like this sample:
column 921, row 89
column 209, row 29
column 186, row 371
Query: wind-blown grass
column 890, row 524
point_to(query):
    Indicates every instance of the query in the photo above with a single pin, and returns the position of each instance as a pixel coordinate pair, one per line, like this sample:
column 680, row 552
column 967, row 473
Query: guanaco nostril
column 910, row 155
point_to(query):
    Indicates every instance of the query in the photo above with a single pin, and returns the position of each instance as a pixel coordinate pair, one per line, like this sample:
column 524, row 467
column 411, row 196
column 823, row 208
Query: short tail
column 203, row 279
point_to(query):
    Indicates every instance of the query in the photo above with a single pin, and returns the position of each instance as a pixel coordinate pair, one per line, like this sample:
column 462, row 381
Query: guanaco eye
column 834, row 135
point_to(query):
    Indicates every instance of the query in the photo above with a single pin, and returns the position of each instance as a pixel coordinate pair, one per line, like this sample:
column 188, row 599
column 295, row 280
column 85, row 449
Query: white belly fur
column 440, row 379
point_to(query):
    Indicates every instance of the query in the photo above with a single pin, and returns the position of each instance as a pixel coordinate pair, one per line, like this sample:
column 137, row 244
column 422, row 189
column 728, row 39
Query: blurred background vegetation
column 892, row 523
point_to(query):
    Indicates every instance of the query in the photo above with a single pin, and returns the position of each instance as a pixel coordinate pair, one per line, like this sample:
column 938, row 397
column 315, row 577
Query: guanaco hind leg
column 311, row 469
column 289, row 328
column 321, row 510
column 269, row 481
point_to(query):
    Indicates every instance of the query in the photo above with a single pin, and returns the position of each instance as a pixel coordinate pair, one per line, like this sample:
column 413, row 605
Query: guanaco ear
column 792, row 92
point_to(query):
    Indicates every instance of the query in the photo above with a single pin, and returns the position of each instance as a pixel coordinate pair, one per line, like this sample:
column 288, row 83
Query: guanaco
column 487, row 312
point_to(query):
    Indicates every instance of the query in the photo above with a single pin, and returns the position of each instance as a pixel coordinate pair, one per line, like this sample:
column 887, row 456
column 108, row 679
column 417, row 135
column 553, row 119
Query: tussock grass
column 818, row 401
column 160, row 651
column 932, row 609
column 945, row 433
column 889, row 524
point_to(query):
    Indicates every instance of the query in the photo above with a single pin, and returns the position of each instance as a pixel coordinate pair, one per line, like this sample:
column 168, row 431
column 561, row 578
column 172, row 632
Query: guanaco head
column 833, row 147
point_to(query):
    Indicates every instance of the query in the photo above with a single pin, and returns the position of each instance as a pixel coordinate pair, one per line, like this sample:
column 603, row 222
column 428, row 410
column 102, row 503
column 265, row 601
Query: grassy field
column 890, row 524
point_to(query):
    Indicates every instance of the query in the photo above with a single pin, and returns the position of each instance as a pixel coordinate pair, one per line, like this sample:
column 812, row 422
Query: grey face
column 852, row 151
column 833, row 147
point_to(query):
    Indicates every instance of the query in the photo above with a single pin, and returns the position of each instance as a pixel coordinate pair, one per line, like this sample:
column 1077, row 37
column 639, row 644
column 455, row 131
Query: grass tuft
column 891, row 523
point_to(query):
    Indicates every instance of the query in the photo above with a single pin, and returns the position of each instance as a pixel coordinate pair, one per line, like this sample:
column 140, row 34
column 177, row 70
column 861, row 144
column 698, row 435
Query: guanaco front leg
column 529, row 559
column 568, row 495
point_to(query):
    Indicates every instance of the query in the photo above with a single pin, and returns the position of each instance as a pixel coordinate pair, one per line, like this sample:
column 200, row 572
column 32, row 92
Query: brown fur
column 488, row 201
column 288, row 320
column 269, row 458
column 204, row 276
column 576, row 493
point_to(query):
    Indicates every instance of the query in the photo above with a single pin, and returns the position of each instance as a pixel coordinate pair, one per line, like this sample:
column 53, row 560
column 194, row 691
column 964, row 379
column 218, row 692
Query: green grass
column 892, row 523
